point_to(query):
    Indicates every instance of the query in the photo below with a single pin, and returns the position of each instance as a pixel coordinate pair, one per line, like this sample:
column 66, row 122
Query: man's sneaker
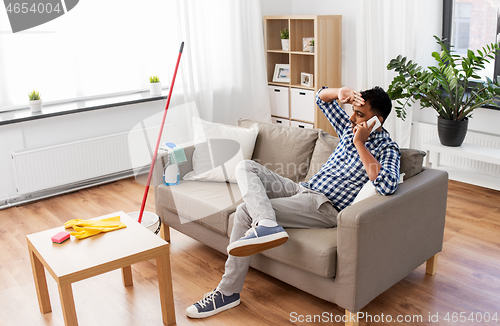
column 257, row 240
column 213, row 303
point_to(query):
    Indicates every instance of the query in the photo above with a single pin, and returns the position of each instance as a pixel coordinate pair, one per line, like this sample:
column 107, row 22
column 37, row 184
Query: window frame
column 447, row 29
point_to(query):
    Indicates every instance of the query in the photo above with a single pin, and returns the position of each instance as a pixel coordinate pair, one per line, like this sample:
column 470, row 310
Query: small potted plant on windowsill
column 445, row 88
column 285, row 40
column 154, row 86
column 35, row 102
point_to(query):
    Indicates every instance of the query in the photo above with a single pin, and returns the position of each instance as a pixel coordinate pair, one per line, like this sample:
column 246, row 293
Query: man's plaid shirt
column 343, row 175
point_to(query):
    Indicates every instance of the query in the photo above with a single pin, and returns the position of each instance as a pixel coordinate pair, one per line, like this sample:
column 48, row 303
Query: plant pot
column 451, row 132
column 35, row 106
column 311, row 49
column 155, row 89
column 285, row 44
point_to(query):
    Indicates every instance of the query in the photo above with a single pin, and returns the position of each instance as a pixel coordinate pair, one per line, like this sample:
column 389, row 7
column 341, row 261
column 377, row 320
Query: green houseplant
column 445, row 88
column 285, row 39
column 154, row 86
column 35, row 102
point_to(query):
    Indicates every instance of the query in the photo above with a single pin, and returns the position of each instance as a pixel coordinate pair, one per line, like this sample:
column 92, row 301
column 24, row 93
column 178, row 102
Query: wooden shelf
column 291, row 52
column 301, row 86
column 279, row 84
column 302, row 53
column 324, row 63
column 277, row 51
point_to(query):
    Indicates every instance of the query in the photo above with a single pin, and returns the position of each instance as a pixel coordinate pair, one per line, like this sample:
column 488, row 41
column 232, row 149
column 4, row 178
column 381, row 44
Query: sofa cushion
column 284, row 150
column 411, row 162
column 325, row 145
column 207, row 203
column 311, row 250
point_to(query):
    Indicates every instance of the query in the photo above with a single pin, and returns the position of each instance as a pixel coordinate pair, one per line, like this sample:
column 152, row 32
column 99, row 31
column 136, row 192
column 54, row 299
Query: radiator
column 422, row 132
column 50, row 167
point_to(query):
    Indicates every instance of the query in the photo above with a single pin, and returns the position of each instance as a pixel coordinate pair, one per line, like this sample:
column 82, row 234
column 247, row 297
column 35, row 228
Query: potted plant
column 445, row 88
column 311, row 47
column 285, row 40
column 35, row 102
column 154, row 86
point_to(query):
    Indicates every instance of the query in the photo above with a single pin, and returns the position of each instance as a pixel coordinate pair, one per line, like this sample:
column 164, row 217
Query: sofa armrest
column 382, row 239
column 162, row 160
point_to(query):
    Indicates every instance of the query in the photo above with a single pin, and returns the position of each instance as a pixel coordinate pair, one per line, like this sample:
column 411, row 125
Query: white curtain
column 385, row 29
column 223, row 64
column 97, row 48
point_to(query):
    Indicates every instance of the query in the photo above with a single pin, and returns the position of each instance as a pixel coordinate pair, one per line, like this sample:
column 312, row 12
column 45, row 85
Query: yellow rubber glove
column 82, row 233
column 88, row 228
column 105, row 222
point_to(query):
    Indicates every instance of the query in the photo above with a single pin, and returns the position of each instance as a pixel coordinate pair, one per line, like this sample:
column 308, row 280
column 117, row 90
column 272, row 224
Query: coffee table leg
column 127, row 276
column 42, row 291
column 165, row 285
column 68, row 305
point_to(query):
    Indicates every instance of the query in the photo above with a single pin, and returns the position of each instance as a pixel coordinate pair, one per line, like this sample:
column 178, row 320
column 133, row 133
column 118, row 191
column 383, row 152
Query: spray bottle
column 176, row 156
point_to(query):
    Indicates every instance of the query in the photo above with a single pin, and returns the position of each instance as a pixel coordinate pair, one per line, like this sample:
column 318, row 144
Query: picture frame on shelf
column 281, row 73
column 306, row 79
column 306, row 44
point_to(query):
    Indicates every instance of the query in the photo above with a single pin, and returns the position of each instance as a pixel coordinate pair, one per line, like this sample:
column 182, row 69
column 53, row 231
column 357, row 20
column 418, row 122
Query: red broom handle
column 159, row 135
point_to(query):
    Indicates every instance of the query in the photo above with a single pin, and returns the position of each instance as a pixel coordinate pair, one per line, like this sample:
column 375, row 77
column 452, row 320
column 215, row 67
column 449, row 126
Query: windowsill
column 77, row 106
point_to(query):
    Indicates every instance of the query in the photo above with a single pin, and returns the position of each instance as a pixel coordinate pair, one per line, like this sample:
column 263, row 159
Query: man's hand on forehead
column 350, row 96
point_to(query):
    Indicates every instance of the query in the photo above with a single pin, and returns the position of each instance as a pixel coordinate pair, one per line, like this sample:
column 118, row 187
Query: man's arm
column 361, row 134
column 344, row 94
column 384, row 174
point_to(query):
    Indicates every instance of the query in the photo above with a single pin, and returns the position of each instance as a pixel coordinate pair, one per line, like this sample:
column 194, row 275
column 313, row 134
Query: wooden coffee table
column 75, row 260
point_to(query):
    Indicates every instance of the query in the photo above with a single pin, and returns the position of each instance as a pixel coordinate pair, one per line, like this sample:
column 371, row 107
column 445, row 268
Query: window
column 461, row 27
column 97, row 48
column 472, row 24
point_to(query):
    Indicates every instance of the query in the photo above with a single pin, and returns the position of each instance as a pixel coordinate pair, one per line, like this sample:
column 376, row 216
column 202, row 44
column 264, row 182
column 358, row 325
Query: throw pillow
column 218, row 149
column 411, row 162
column 368, row 190
column 285, row 150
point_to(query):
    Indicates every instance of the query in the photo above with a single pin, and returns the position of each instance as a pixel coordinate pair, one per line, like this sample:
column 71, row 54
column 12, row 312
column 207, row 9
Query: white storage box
column 279, row 121
column 302, row 104
column 279, row 100
column 302, row 125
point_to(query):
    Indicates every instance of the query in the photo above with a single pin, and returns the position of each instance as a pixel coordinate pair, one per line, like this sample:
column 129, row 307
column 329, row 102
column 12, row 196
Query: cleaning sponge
column 60, row 237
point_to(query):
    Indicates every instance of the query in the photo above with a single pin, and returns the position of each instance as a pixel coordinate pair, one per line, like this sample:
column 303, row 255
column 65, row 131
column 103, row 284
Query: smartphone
column 370, row 122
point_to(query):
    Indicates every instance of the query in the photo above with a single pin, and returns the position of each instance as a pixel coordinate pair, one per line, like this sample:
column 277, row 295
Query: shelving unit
column 324, row 63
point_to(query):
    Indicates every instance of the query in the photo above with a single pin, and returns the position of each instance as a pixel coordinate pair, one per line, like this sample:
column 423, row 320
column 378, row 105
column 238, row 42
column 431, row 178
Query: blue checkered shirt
column 343, row 175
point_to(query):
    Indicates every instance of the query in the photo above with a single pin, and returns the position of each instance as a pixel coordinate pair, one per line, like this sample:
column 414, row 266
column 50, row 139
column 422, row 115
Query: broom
column 159, row 135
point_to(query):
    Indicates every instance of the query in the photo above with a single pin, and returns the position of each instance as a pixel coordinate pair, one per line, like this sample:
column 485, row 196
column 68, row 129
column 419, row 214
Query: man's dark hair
column 379, row 101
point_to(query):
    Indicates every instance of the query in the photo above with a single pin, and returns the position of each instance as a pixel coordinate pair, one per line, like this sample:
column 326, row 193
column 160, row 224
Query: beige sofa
column 378, row 240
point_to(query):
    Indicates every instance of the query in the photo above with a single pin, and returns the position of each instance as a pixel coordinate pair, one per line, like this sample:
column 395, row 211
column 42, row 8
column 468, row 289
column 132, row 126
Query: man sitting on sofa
column 272, row 203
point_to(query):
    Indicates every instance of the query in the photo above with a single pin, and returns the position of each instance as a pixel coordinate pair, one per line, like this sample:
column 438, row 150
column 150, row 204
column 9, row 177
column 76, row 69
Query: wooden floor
column 467, row 280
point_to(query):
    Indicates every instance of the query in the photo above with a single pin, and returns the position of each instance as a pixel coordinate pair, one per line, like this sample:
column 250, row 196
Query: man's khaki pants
column 267, row 195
